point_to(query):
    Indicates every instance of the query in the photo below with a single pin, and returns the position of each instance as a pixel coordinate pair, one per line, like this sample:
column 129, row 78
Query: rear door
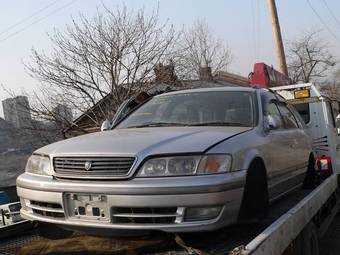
column 276, row 148
column 298, row 144
column 279, row 151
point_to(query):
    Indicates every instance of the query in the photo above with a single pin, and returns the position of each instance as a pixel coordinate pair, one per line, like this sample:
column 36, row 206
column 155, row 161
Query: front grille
column 52, row 210
column 49, row 214
column 156, row 215
column 46, row 205
column 97, row 167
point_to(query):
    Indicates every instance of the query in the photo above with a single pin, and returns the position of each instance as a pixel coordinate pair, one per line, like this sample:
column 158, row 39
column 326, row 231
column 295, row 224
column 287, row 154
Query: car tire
column 255, row 201
column 310, row 178
column 51, row 231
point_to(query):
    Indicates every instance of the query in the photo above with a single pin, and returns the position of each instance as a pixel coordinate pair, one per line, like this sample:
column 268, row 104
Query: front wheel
column 255, row 201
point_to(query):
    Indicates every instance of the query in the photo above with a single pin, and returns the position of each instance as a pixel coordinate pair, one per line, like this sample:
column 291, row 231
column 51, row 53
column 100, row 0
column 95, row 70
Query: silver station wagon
column 189, row 160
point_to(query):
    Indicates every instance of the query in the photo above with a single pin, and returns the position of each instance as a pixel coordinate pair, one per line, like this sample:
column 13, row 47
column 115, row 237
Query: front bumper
column 182, row 193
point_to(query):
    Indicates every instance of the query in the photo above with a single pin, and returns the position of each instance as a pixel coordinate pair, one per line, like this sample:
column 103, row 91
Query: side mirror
column 105, row 125
column 272, row 122
column 337, row 123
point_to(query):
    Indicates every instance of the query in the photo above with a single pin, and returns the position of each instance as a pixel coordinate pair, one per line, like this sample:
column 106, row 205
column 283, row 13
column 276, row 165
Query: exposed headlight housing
column 186, row 165
column 37, row 164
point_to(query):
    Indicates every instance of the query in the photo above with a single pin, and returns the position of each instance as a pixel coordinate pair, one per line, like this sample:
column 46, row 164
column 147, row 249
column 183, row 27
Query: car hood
column 143, row 141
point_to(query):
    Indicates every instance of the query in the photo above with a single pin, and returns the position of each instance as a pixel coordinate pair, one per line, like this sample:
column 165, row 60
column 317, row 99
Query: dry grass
column 91, row 245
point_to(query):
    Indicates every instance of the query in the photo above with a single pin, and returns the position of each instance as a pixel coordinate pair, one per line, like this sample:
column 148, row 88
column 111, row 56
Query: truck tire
column 255, row 201
column 309, row 240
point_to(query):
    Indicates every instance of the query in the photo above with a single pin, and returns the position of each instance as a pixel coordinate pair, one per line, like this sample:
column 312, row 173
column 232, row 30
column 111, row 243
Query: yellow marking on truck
column 302, row 93
column 304, row 100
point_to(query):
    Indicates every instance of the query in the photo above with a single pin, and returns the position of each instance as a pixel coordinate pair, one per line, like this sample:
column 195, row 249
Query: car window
column 274, row 111
column 288, row 117
column 304, row 111
column 298, row 117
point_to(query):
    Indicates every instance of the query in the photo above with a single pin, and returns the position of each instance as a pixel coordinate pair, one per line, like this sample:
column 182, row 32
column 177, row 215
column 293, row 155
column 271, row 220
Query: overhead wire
column 331, row 12
column 322, row 21
column 38, row 20
column 28, row 17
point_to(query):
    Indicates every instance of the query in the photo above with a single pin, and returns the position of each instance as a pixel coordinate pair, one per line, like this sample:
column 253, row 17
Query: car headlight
column 37, row 164
column 185, row 165
column 213, row 164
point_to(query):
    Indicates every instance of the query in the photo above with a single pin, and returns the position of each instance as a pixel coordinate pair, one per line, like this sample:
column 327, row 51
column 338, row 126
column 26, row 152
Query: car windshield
column 213, row 108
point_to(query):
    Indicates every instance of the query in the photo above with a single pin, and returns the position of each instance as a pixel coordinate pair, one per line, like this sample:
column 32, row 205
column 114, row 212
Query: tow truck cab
column 321, row 116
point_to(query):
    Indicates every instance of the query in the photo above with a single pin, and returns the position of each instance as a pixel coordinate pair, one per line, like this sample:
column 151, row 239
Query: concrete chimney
column 165, row 73
column 205, row 73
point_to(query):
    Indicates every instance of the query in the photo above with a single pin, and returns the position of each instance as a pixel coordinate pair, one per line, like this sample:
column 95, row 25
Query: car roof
column 241, row 89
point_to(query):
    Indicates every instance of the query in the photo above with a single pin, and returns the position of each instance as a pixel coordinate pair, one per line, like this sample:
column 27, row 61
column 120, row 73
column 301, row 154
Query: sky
column 244, row 24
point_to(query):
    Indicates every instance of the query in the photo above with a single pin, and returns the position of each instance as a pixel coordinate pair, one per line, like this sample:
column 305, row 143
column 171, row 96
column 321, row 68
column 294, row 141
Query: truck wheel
column 309, row 240
column 51, row 231
column 255, row 201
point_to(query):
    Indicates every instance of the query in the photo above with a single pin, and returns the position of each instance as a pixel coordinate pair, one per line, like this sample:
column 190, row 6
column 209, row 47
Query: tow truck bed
column 273, row 235
column 320, row 205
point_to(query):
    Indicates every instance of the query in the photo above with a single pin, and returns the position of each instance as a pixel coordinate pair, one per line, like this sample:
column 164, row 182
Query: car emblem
column 88, row 165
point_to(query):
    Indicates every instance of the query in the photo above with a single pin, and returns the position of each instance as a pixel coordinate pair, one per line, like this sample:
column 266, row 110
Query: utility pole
column 280, row 52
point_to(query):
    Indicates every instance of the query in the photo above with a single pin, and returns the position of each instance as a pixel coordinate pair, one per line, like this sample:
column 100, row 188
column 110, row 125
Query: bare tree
column 110, row 55
column 309, row 58
column 331, row 86
column 113, row 56
column 200, row 47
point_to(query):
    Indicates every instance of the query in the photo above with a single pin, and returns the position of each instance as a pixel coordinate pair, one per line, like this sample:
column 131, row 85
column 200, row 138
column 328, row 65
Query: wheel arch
column 259, row 164
column 251, row 156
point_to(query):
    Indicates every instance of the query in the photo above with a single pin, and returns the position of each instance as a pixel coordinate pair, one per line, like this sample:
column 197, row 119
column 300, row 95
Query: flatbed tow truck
column 299, row 223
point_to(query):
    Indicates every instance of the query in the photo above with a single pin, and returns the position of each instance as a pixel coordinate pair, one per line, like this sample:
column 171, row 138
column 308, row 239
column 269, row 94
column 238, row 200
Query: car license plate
column 88, row 207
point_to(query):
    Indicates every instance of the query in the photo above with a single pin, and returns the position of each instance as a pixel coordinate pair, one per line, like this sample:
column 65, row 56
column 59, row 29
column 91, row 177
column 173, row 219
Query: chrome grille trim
column 51, row 210
column 46, row 209
column 147, row 216
column 101, row 167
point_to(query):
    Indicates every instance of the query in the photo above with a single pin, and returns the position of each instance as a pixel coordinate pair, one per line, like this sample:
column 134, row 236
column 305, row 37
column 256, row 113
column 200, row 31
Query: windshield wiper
column 158, row 124
column 227, row 124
